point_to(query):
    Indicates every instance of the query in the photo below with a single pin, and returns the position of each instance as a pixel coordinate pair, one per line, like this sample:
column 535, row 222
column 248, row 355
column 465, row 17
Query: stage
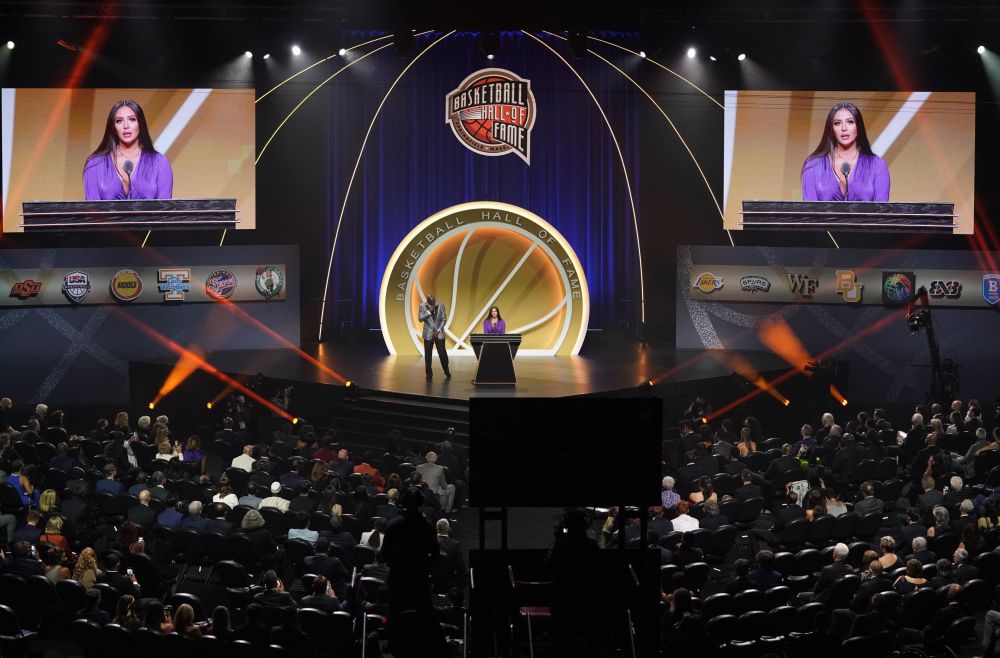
column 604, row 366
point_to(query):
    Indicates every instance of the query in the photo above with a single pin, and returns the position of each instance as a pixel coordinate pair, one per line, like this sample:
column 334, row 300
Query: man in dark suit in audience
column 964, row 572
column 878, row 581
column 868, row 503
column 62, row 460
column 748, row 490
column 658, row 522
column 332, row 568
column 113, row 576
column 920, row 552
column 912, row 527
column 142, row 514
column 110, row 482
column 451, row 551
column 274, row 594
column 29, row 532
column 322, row 597
column 170, row 516
column 713, row 519
column 156, row 486
column 875, row 621
column 944, row 616
column 931, row 497
column 194, row 518
column 217, row 519
column 831, row 573
column 389, row 510
column 20, row 561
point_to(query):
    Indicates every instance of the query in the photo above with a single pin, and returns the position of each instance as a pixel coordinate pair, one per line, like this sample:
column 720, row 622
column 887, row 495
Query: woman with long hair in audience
column 86, row 572
column 226, row 494
column 972, row 540
column 912, row 580
column 164, row 451
column 53, row 534
column 184, row 621
column 125, row 613
column 48, row 501
column 814, row 504
column 374, row 536
column 193, row 454
column 127, row 542
column 942, row 522
column 705, row 491
column 756, row 431
column 889, row 559
column 747, row 445
column 681, row 626
column 362, row 505
column 989, row 519
column 158, row 618
column 394, row 482
column 20, row 480
column 121, row 423
column 55, row 567
column 221, row 624
column 320, row 476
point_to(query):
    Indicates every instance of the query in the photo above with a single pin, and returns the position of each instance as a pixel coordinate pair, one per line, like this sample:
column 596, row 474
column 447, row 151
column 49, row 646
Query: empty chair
column 117, row 642
column 782, row 620
column 720, row 543
column 716, row 604
column 917, row 607
column 750, row 509
column 747, row 600
column 233, row 577
column 890, row 491
column 820, row 531
column 298, row 550
column 867, row 526
column 989, row 567
column 696, row 574
column 751, row 624
column 843, row 591
column 72, row 595
column 722, row 629
column 777, row 597
column 844, row 526
column 792, row 535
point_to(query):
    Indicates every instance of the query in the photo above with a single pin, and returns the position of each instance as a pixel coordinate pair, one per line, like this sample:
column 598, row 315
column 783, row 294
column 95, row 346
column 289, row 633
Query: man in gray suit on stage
column 433, row 315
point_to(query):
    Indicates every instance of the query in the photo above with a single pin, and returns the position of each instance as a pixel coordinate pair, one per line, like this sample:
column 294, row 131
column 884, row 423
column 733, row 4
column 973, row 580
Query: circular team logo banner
column 126, row 285
column 269, row 281
column 221, row 284
column 482, row 254
column 492, row 113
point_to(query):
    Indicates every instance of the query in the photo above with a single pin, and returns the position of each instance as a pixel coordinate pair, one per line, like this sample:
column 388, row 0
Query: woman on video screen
column 843, row 167
column 125, row 165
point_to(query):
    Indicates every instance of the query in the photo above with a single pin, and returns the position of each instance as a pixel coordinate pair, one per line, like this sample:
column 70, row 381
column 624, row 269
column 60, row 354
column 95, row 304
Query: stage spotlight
column 152, row 405
column 710, row 57
column 10, row 45
column 980, row 49
column 642, row 54
column 342, row 52
column 692, row 52
column 248, row 54
column 267, row 56
column 208, row 405
column 741, row 56
column 295, row 421
column 490, row 44
column 843, row 402
column 786, row 402
column 296, row 50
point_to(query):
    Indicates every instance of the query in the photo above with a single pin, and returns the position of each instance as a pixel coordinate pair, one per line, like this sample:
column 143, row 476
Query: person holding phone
column 432, row 314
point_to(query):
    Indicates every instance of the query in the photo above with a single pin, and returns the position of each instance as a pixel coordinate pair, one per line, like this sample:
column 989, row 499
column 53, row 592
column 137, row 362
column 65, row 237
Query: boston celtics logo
column 269, row 281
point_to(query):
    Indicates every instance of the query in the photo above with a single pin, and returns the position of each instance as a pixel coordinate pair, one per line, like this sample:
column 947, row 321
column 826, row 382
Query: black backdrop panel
column 529, row 452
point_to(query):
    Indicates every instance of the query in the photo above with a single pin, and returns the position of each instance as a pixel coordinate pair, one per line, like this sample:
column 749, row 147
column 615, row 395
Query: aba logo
column 948, row 289
column 173, row 283
column 126, row 285
column 76, row 286
column 26, row 288
column 221, row 284
column 991, row 288
column 847, row 286
column 269, row 281
column 802, row 285
column 492, row 113
column 708, row 282
column 898, row 287
column 754, row 283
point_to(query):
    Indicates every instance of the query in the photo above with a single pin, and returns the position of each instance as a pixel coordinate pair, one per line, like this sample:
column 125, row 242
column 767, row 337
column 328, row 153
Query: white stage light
column 296, row 50
column 342, row 52
column 691, row 53
column 642, row 54
column 741, row 56
column 267, row 56
column 248, row 54
column 10, row 45
column 980, row 49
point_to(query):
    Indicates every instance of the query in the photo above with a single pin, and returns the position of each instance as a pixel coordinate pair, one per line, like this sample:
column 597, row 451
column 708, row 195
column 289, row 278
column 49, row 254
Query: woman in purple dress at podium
column 125, row 165
column 843, row 166
column 494, row 324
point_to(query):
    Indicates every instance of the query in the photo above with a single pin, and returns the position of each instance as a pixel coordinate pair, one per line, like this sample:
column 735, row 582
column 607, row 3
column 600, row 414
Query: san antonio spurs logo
column 492, row 113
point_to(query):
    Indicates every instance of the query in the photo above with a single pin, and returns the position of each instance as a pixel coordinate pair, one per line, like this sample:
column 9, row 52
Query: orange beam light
column 838, row 396
column 182, row 370
column 780, row 339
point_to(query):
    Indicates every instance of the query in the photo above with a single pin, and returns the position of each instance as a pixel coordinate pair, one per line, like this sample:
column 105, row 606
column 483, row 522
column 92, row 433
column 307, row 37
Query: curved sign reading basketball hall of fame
column 482, row 254
column 492, row 113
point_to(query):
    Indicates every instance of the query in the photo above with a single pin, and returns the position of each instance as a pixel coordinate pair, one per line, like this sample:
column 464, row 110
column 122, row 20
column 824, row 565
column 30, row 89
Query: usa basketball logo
column 492, row 113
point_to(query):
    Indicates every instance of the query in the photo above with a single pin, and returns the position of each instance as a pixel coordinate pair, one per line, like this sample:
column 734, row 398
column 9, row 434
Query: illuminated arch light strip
column 621, row 157
column 308, row 96
column 325, row 59
column 566, row 301
column 357, row 163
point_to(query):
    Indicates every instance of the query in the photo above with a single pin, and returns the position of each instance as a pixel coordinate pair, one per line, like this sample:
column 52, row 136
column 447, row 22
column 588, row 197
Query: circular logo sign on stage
column 492, row 112
column 269, row 281
column 126, row 285
column 482, row 254
column 898, row 288
column 221, row 284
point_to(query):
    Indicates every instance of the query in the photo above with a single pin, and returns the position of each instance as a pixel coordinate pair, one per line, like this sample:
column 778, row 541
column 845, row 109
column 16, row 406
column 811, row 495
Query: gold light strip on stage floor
column 357, row 163
column 621, row 157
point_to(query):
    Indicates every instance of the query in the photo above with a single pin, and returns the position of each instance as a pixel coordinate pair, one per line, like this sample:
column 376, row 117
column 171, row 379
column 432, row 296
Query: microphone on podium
column 845, row 169
column 128, row 167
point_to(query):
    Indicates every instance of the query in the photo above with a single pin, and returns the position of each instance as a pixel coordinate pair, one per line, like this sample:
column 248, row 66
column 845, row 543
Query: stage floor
column 603, row 365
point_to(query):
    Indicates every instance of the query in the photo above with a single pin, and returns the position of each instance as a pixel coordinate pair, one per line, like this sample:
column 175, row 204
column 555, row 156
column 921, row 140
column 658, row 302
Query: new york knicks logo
column 492, row 113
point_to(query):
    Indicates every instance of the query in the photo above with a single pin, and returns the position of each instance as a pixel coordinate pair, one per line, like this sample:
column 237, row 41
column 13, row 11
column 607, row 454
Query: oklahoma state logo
column 492, row 113
column 26, row 288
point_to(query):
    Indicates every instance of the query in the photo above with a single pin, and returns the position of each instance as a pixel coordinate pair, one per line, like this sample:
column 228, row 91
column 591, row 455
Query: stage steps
column 421, row 419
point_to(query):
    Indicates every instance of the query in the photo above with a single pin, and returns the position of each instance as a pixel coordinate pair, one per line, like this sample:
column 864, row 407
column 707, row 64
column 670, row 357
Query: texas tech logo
column 492, row 113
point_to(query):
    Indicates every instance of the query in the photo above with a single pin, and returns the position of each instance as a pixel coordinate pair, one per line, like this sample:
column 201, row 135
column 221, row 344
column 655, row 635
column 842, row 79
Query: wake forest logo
column 847, row 286
column 269, row 281
column 754, row 283
column 802, row 285
column 492, row 113
column 126, row 285
column 76, row 286
column 25, row 289
column 174, row 283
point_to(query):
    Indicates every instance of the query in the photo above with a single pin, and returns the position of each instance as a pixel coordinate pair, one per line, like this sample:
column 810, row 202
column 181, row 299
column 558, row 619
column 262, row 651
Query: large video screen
column 91, row 144
column 913, row 147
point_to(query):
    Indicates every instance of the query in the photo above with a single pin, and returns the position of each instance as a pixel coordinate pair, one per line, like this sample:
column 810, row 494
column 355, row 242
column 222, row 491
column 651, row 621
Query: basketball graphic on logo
column 479, row 128
column 484, row 254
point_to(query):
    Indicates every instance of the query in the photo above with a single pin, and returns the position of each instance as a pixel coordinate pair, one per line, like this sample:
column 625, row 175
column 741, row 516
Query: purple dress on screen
column 488, row 327
column 152, row 178
column 869, row 181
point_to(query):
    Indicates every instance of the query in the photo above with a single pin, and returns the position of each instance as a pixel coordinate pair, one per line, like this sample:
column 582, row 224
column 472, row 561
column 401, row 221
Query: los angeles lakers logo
column 482, row 254
column 492, row 113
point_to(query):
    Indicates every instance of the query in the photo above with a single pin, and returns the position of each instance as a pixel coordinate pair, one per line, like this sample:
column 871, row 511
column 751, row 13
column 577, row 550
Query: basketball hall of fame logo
column 492, row 112
column 482, row 254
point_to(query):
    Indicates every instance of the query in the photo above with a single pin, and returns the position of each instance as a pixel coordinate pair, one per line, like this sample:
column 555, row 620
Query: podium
column 849, row 216
column 129, row 214
column 496, row 358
